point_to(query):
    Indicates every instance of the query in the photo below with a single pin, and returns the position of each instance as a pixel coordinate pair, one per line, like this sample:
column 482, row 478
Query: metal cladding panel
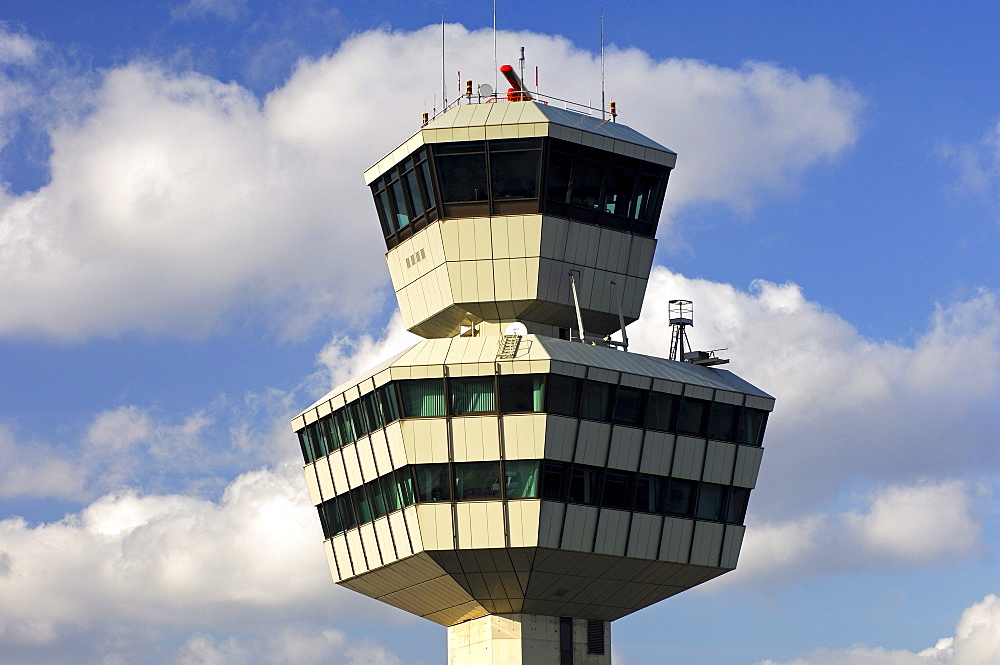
column 457, row 271
column 748, row 460
column 719, row 462
column 731, row 546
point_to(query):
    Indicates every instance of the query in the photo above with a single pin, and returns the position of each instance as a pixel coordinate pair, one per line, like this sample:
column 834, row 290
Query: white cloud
column 925, row 524
column 36, row 470
column 344, row 358
column 978, row 163
column 172, row 561
column 976, row 642
column 850, row 410
column 178, row 202
column 228, row 9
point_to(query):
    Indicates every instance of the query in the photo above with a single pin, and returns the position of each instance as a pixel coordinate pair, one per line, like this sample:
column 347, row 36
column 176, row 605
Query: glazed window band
column 532, row 479
column 531, row 393
column 522, row 176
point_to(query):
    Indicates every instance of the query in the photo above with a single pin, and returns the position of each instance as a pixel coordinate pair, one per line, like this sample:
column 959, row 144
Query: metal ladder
column 508, row 347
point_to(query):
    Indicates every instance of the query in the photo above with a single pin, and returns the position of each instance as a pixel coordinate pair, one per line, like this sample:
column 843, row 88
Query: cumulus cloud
column 343, row 358
column 977, row 162
column 174, row 561
column 924, row 524
column 976, row 642
column 34, row 469
column 132, row 446
column 178, row 203
column 850, row 410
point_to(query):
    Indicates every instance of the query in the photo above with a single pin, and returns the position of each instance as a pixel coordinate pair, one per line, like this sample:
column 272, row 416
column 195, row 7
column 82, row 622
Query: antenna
column 444, row 85
column 602, row 61
column 495, row 79
column 681, row 316
column 521, row 63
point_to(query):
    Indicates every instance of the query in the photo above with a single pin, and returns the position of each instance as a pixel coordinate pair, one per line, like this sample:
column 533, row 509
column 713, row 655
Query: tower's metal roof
column 511, row 120
column 431, row 355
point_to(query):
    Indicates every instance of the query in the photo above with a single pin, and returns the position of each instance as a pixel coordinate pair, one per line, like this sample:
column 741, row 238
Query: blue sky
column 181, row 221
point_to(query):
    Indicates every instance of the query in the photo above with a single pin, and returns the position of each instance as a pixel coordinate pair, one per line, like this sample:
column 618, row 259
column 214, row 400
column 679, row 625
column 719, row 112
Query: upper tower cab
column 495, row 212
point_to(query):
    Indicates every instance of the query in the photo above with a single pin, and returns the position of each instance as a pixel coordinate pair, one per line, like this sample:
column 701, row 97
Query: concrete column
column 525, row 639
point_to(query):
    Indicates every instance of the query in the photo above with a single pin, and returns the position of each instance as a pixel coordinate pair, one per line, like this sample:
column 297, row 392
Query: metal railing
column 497, row 98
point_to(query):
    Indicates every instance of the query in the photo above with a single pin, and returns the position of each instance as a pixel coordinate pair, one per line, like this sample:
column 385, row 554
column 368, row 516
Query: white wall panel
column 657, row 453
column 689, row 454
column 579, row 527
column 747, row 466
column 313, row 484
column 550, row 523
column 626, row 446
column 731, row 545
column 524, row 518
column 386, row 544
column 612, row 532
column 644, row 536
column 592, row 443
column 706, row 547
column 675, row 542
column 719, row 460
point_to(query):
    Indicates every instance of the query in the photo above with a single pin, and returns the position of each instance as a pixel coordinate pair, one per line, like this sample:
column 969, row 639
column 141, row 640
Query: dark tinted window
column 562, row 394
column 520, row 393
column 722, row 422
column 472, row 395
column 585, row 485
column 628, row 406
column 711, row 501
column 617, row 489
column 477, row 480
column 680, row 497
column 424, row 397
column 595, row 400
column 691, row 416
column 433, row 483
column 555, row 480
column 660, row 411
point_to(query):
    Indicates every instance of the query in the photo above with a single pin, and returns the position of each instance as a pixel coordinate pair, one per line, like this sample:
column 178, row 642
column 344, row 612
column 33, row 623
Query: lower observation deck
column 561, row 479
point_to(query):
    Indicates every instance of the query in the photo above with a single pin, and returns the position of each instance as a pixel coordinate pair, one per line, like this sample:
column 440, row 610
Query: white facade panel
column 579, row 527
column 644, row 536
column 747, row 466
column 550, row 523
column 313, row 484
column 675, row 542
column 612, row 532
column 400, row 535
column 706, row 547
column 719, row 460
column 657, row 453
column 523, row 520
column 592, row 442
column 689, row 455
column 370, row 542
column 330, row 482
column 731, row 545
column 626, row 447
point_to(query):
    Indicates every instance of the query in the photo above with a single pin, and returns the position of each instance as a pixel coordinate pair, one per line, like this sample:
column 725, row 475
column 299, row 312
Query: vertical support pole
column 576, row 301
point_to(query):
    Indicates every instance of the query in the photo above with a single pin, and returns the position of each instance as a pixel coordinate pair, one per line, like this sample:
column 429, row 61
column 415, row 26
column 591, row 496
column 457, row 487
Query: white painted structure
column 526, row 490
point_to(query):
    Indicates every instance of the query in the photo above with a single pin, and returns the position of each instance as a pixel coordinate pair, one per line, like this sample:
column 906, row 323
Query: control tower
column 518, row 476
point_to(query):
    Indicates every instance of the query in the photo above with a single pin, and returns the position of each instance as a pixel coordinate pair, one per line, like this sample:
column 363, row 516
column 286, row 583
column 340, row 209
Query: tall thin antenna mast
column 602, row 62
column 444, row 84
column 496, row 79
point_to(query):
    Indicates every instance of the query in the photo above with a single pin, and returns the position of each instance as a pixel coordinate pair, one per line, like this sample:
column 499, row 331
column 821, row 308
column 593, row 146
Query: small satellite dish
column 516, row 328
column 485, row 90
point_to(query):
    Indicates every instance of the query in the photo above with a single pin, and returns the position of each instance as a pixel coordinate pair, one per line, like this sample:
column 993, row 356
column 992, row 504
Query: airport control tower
column 518, row 476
